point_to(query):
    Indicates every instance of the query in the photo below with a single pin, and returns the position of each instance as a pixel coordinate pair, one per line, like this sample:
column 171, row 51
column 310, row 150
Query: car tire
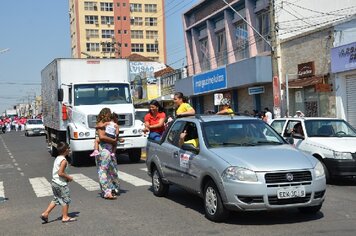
column 327, row 174
column 214, row 208
column 311, row 210
column 160, row 189
column 135, row 155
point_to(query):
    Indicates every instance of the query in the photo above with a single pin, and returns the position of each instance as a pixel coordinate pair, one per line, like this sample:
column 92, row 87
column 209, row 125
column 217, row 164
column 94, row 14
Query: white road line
column 2, row 193
column 86, row 182
column 41, row 186
column 144, row 169
column 132, row 179
column 6, row 166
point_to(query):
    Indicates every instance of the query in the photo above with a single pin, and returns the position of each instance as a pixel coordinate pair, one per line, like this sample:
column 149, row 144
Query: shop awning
column 304, row 82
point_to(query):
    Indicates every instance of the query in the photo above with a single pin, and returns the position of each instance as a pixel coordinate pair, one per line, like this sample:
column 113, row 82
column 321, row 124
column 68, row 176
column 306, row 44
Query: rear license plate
column 290, row 192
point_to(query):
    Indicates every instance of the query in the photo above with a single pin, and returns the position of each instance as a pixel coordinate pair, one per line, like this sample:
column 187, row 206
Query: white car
column 331, row 140
column 34, row 127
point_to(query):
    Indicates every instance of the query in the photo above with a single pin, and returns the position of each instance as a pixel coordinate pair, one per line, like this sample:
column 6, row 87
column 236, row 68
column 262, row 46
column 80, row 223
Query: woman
column 225, row 107
column 183, row 108
column 154, row 121
column 107, row 171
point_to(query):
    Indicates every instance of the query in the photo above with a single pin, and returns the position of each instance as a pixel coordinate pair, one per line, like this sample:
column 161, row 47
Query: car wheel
column 214, row 208
column 310, row 210
column 160, row 189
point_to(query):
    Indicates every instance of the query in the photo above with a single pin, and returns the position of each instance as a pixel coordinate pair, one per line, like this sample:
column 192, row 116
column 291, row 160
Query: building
column 117, row 28
column 227, row 57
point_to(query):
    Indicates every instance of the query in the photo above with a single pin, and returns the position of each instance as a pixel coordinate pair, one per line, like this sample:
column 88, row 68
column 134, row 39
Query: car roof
column 308, row 118
column 208, row 118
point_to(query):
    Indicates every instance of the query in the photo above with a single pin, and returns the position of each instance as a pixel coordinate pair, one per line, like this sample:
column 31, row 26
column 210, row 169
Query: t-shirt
column 155, row 120
column 183, row 108
column 110, row 130
column 268, row 117
column 55, row 177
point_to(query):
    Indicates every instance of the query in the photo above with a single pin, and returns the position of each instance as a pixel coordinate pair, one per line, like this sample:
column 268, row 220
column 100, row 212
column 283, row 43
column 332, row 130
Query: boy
column 59, row 184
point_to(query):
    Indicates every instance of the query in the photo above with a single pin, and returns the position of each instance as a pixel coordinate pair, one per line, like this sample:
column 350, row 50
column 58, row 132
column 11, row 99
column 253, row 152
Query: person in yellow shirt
column 225, row 107
column 194, row 141
column 183, row 108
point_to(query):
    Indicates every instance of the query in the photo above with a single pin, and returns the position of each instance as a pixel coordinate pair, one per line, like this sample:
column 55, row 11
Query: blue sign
column 210, row 81
column 256, row 90
column 343, row 58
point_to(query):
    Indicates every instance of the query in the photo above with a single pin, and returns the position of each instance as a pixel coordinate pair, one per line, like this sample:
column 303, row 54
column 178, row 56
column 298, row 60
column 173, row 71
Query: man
column 299, row 114
column 268, row 116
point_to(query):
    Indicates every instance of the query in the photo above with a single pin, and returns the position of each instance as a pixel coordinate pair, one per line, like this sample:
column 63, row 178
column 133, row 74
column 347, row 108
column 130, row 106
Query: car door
column 288, row 130
column 170, row 152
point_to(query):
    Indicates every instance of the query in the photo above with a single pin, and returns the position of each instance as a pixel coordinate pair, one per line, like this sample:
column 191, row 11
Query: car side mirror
column 190, row 147
column 297, row 136
column 290, row 140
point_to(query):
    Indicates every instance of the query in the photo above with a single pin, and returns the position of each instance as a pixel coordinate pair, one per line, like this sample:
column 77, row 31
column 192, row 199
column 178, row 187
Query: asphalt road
column 25, row 162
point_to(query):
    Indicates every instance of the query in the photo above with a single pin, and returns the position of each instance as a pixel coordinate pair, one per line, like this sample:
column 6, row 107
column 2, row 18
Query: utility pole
column 274, row 58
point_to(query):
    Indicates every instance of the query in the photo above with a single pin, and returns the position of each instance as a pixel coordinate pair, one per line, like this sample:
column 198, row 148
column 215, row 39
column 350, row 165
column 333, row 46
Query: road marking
column 41, row 186
column 144, row 169
column 6, row 166
column 86, row 182
column 19, row 169
column 15, row 164
column 2, row 193
column 132, row 179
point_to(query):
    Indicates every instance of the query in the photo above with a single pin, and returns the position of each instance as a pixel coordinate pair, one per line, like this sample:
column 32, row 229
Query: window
column 135, row 7
column 137, row 34
column 154, row 58
column 125, row 31
column 106, row 6
column 109, row 20
column 221, row 48
column 124, row 4
column 174, row 133
column 204, row 54
column 106, row 34
column 118, row 4
column 119, row 31
column 150, row 7
column 150, row 21
column 92, row 33
column 124, row 17
column 93, row 47
column 91, row 20
column 242, row 47
column 152, row 47
column 151, row 34
column 137, row 47
column 263, row 28
column 125, row 45
column 137, row 21
column 90, row 6
column 118, row 18
column 107, row 47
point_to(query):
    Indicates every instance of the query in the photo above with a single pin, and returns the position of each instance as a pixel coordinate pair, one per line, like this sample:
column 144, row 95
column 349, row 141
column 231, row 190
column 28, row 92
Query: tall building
column 117, row 28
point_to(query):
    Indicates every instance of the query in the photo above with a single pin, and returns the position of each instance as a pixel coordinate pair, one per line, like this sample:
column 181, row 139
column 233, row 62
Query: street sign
column 217, row 98
column 256, row 90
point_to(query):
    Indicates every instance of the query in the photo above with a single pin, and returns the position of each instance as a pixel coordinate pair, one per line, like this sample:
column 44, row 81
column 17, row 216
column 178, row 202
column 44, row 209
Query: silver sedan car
column 235, row 163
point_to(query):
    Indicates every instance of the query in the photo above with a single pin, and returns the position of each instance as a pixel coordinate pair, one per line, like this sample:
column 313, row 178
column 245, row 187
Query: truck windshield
column 94, row 94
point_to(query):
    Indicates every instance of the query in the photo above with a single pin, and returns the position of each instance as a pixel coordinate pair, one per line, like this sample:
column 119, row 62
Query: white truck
column 11, row 112
column 73, row 93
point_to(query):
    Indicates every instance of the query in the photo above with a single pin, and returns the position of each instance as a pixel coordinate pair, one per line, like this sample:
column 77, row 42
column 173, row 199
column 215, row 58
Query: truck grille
column 299, row 176
column 125, row 120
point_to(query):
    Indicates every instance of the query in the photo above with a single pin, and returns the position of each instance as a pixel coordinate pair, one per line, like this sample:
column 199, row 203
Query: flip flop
column 45, row 219
column 69, row 220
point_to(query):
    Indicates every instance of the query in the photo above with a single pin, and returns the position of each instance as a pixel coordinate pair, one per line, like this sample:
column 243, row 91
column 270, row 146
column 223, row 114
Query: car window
column 290, row 127
column 34, row 122
column 174, row 132
column 277, row 125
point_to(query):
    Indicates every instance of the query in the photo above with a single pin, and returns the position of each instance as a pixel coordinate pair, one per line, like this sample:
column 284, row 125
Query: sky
column 36, row 32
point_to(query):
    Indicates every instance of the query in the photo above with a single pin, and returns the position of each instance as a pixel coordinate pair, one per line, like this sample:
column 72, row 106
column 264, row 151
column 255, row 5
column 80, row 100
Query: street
column 25, row 175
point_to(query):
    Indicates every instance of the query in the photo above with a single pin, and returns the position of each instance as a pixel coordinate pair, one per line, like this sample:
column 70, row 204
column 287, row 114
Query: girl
column 183, row 108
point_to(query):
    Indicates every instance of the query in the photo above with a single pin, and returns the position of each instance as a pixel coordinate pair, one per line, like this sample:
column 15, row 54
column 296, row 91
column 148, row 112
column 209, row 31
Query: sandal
column 110, row 197
column 69, row 220
column 45, row 219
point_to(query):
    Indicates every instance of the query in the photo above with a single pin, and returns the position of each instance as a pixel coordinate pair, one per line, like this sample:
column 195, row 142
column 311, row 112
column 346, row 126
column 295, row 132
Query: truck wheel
column 310, row 210
column 214, row 208
column 135, row 155
column 160, row 189
column 74, row 158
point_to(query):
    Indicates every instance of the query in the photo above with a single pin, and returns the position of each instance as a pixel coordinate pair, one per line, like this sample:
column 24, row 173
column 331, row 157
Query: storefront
column 247, row 83
column 343, row 66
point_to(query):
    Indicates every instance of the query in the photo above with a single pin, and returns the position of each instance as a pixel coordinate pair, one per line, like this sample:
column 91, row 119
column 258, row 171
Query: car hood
column 340, row 144
column 266, row 158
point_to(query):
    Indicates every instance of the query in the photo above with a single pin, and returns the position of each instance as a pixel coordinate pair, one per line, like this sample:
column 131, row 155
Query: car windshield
column 329, row 128
column 94, row 94
column 35, row 122
column 240, row 133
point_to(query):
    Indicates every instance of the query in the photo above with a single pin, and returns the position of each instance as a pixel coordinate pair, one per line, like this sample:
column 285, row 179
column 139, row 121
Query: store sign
column 210, row 81
column 323, row 88
column 306, row 69
column 343, row 58
column 256, row 90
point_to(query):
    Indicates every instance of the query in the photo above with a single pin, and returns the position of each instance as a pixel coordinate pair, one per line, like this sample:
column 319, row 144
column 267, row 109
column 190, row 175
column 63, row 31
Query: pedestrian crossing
column 41, row 186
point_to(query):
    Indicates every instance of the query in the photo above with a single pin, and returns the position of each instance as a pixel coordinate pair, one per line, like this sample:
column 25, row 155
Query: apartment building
column 117, row 28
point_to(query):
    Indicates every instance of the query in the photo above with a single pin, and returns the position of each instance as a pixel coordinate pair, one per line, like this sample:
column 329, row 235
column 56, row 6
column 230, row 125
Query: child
column 59, row 184
column 111, row 130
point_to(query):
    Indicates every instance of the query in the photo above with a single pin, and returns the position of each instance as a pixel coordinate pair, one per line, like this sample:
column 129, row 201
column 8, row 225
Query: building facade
column 117, row 28
column 226, row 57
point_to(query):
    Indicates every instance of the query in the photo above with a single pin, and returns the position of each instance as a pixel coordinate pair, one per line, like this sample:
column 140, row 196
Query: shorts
column 61, row 194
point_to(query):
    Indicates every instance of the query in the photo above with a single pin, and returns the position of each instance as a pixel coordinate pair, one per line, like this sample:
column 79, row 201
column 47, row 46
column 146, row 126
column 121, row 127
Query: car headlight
column 319, row 170
column 235, row 173
column 87, row 134
column 134, row 131
column 342, row 155
column 81, row 134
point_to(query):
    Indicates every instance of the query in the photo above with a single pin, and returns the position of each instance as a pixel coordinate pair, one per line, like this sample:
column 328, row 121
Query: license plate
column 36, row 130
column 290, row 192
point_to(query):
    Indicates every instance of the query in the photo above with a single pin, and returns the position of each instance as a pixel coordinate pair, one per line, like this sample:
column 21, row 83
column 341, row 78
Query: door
column 294, row 126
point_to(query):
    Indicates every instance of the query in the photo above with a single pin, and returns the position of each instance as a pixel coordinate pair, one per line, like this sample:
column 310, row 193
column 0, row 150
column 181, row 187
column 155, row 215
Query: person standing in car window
column 183, row 108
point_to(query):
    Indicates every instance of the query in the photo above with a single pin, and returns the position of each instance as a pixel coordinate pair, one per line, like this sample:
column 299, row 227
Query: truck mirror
column 60, row 95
